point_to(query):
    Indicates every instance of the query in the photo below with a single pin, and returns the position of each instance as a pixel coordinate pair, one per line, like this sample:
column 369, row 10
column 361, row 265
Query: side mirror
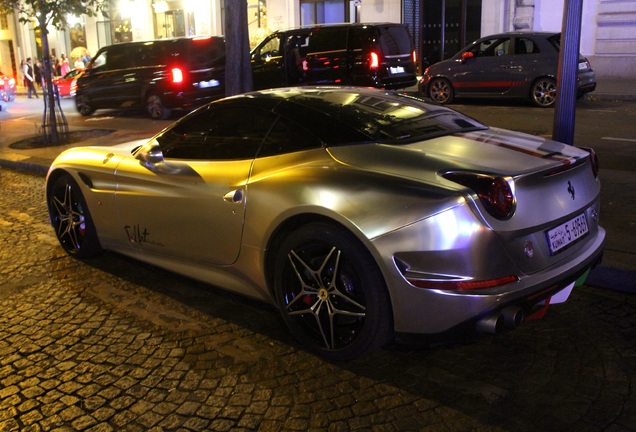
column 150, row 154
column 467, row 55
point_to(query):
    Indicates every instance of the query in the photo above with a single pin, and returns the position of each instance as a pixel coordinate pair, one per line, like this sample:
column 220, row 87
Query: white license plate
column 567, row 233
column 396, row 70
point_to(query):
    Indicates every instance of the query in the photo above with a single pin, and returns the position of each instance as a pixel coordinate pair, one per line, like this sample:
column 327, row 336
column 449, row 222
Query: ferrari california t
column 363, row 215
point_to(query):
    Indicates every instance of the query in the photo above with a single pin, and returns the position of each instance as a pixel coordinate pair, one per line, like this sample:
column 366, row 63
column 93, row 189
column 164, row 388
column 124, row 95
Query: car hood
column 492, row 151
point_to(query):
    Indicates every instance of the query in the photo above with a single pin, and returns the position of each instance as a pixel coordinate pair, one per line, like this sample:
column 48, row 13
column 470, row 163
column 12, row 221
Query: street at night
column 112, row 344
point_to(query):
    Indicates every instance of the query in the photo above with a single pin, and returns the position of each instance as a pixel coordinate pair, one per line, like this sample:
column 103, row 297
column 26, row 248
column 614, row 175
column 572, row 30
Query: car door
column 268, row 63
column 327, row 59
column 110, row 80
column 187, row 202
column 487, row 69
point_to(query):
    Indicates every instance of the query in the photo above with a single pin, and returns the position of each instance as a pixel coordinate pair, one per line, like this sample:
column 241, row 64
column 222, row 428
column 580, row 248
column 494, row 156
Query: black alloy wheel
column 331, row 293
column 71, row 219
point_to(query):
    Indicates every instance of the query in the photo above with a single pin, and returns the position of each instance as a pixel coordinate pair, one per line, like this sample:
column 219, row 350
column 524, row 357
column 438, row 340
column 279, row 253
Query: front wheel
column 543, row 93
column 331, row 293
column 441, row 91
column 156, row 108
column 83, row 106
column 71, row 219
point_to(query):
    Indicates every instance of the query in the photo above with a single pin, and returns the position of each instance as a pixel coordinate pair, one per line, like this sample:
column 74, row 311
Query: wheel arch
column 289, row 225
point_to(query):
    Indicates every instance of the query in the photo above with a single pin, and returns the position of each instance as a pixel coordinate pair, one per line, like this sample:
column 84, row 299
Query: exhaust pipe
column 491, row 324
column 509, row 318
column 512, row 317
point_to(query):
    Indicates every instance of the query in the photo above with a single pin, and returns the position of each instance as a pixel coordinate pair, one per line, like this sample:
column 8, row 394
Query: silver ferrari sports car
column 361, row 214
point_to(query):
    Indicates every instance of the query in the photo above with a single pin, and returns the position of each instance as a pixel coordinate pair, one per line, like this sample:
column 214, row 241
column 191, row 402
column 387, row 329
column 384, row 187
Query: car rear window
column 206, row 52
column 345, row 118
column 394, row 40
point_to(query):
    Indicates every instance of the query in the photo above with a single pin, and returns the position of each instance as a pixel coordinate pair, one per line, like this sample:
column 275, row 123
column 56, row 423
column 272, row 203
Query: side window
column 217, row 133
column 525, row 46
column 99, row 61
column 324, row 40
column 492, row 47
column 288, row 137
column 186, row 139
column 271, row 48
column 119, row 58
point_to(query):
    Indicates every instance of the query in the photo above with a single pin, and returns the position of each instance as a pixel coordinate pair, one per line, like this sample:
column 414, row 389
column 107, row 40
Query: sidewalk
column 609, row 275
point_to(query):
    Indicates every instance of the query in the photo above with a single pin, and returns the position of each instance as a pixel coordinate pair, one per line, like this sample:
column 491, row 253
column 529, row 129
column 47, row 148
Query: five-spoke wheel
column 71, row 219
column 331, row 293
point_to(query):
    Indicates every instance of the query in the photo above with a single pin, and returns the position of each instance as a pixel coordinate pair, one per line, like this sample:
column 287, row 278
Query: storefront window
column 174, row 18
column 324, row 12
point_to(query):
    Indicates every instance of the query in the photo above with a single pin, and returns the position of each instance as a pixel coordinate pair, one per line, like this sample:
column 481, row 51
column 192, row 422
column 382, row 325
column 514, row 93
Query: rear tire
column 331, row 293
column 156, row 108
column 543, row 92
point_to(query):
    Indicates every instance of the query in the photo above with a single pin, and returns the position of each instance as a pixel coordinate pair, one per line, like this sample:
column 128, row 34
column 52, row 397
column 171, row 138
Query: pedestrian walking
column 30, row 79
column 37, row 72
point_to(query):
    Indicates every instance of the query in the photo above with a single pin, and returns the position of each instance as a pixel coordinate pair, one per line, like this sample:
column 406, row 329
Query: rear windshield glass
column 395, row 40
column 344, row 118
column 206, row 52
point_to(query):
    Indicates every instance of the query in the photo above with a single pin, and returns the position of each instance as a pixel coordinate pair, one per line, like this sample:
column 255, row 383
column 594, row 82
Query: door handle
column 235, row 196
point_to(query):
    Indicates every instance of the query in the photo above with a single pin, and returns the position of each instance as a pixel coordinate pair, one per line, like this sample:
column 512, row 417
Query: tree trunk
column 50, row 135
column 238, row 69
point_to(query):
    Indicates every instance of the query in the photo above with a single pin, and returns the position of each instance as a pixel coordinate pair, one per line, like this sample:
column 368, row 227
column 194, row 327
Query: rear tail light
column 374, row 60
column 414, row 56
column 495, row 193
column 463, row 285
column 594, row 163
column 177, row 75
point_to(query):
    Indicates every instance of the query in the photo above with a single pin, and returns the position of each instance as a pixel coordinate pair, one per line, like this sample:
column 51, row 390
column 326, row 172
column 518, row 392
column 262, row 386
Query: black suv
column 159, row 75
column 375, row 55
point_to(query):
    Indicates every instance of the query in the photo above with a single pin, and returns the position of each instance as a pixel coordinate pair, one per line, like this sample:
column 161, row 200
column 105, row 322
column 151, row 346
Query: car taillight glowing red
column 495, row 193
column 177, row 75
column 374, row 60
column 414, row 56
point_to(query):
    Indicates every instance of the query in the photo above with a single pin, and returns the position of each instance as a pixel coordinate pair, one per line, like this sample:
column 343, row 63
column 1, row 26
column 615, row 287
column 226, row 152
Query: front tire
column 440, row 90
column 71, row 219
column 331, row 293
column 543, row 92
column 83, row 106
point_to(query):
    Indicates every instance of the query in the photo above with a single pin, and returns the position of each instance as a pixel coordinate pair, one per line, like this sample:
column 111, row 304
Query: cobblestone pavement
column 109, row 344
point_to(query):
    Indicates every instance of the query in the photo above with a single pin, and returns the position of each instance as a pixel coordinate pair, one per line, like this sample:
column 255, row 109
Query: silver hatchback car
column 361, row 214
column 520, row 65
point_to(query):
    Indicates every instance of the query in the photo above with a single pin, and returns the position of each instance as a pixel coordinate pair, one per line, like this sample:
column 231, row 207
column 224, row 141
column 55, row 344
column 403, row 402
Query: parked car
column 160, row 76
column 375, row 55
column 7, row 88
column 518, row 65
column 362, row 214
column 67, row 85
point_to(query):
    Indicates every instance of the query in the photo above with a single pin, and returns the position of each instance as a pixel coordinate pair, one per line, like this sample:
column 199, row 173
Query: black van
column 159, row 75
column 377, row 55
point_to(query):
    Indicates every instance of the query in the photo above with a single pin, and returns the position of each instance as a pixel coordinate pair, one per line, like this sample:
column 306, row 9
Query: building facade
column 439, row 27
